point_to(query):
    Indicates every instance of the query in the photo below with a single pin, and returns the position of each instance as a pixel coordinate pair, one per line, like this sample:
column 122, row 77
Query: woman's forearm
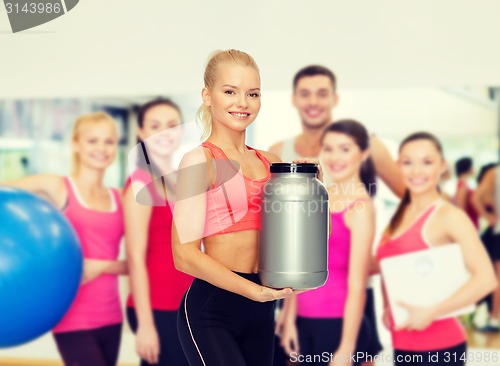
column 51, row 187
column 290, row 309
column 475, row 289
column 374, row 267
column 139, row 285
column 117, row 268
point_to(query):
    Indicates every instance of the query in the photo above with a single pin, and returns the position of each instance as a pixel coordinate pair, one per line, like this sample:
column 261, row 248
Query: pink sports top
column 167, row 285
column 329, row 300
column 97, row 303
column 440, row 334
column 234, row 201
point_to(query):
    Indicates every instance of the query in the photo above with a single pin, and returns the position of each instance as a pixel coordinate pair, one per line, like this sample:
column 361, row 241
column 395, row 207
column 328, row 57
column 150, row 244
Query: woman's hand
column 289, row 338
column 263, row 293
column 419, row 317
column 311, row 161
column 280, row 322
column 147, row 344
column 270, row 294
column 93, row 268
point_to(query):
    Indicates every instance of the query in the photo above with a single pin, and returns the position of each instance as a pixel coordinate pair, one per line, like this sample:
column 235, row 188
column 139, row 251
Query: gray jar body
column 294, row 232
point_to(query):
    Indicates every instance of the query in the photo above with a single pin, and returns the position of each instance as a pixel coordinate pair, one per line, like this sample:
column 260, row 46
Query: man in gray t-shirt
column 315, row 96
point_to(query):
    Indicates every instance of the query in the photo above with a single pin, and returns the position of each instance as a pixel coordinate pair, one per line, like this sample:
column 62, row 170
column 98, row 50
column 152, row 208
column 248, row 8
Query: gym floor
column 483, row 340
column 479, row 343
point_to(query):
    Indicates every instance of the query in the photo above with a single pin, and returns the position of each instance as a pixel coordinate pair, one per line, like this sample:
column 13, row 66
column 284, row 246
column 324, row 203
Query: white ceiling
column 130, row 47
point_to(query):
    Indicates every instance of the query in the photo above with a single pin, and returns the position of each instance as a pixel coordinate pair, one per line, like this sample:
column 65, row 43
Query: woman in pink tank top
column 90, row 332
column 157, row 287
column 327, row 325
column 423, row 221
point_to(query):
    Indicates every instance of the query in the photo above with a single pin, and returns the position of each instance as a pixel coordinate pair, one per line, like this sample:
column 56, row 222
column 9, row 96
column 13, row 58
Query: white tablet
column 424, row 278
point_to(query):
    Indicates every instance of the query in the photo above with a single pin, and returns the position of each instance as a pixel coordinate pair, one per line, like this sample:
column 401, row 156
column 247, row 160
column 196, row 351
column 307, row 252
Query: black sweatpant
column 319, row 338
column 96, row 347
column 453, row 356
column 171, row 353
column 220, row 328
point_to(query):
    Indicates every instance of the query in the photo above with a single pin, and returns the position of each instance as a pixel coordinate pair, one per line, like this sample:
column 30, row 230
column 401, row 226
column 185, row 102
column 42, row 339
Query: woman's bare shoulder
column 273, row 158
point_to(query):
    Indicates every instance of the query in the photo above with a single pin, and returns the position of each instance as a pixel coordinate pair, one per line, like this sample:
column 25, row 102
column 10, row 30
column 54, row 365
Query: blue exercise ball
column 40, row 266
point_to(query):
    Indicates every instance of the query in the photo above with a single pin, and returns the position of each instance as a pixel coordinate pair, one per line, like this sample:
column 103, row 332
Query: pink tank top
column 329, row 300
column 440, row 334
column 469, row 206
column 97, row 303
column 167, row 285
column 233, row 203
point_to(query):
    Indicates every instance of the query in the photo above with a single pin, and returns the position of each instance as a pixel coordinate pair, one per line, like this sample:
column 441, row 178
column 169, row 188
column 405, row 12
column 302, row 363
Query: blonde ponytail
column 204, row 118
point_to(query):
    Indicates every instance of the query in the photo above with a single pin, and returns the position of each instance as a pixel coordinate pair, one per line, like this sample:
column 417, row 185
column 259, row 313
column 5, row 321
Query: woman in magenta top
column 90, row 332
column 463, row 195
column 423, row 221
column 330, row 319
column 157, row 287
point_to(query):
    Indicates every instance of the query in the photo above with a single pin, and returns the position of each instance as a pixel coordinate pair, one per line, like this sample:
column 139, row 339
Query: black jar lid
column 294, row 168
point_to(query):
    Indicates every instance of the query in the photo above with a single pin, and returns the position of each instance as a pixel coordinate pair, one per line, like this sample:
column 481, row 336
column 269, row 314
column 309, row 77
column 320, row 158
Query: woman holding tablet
column 423, row 221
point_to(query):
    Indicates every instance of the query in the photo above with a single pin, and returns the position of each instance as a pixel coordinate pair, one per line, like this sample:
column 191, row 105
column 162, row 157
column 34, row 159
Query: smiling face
column 315, row 97
column 421, row 165
column 341, row 156
column 160, row 129
column 234, row 99
column 95, row 145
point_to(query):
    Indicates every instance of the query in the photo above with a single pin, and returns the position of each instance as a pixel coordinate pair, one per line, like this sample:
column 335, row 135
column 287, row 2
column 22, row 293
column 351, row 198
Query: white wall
column 126, row 47
column 391, row 113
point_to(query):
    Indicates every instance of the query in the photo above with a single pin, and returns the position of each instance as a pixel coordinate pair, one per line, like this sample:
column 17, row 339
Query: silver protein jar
column 294, row 228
